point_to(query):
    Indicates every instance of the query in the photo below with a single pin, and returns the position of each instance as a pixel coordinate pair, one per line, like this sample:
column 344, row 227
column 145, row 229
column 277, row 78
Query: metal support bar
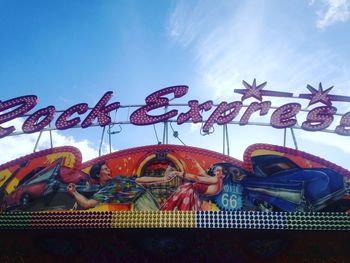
column 223, row 139
column 165, row 133
column 37, row 141
column 110, row 138
column 165, row 130
column 155, row 132
column 284, row 137
column 101, row 141
column 50, row 131
column 227, row 141
column 16, row 133
column 294, row 139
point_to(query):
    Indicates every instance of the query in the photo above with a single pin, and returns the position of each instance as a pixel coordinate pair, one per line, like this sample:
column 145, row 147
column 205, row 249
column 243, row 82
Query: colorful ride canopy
column 174, row 178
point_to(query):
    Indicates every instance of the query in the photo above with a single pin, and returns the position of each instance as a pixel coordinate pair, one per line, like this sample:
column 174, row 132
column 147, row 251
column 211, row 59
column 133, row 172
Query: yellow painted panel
column 265, row 152
column 12, row 185
column 4, row 174
column 69, row 158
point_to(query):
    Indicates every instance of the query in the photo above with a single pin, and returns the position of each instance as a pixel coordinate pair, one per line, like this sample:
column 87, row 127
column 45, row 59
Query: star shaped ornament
column 319, row 95
column 251, row 90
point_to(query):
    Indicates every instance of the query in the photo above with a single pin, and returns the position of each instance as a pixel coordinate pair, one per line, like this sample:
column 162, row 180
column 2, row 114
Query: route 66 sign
column 231, row 197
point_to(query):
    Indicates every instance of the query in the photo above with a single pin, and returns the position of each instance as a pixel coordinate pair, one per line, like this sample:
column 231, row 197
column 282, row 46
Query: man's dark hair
column 96, row 169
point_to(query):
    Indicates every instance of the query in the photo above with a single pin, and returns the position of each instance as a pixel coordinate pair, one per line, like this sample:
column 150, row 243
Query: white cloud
column 333, row 11
column 334, row 140
column 195, row 127
column 332, row 147
column 311, row 2
column 16, row 146
column 242, row 44
column 185, row 22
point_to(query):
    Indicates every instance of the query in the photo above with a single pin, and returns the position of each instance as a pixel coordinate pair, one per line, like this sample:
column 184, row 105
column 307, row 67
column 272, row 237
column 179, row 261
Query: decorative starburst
column 253, row 91
column 319, row 95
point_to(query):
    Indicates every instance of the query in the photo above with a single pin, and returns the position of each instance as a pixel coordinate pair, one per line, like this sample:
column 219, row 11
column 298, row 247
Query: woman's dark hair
column 228, row 169
column 96, row 169
column 236, row 174
column 213, row 167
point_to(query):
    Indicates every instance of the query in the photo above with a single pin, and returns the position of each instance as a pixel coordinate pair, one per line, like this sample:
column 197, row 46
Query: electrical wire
column 176, row 134
column 212, row 130
column 109, row 131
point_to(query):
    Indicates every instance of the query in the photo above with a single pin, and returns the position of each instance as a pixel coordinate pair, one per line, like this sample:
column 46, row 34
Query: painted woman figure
column 187, row 196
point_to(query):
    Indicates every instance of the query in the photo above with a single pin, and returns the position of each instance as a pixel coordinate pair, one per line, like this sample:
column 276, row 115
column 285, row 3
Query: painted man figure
column 120, row 189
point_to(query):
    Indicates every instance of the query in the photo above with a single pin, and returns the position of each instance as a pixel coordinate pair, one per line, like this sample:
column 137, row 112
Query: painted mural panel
column 33, row 182
column 174, row 178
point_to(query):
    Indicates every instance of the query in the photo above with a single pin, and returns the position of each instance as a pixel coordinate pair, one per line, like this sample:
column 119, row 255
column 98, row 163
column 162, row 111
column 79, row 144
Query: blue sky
column 67, row 52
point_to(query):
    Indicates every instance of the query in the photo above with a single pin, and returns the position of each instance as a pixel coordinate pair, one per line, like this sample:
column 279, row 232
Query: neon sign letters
column 318, row 118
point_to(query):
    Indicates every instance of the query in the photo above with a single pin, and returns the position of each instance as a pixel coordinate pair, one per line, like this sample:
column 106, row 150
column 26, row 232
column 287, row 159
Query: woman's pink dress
column 186, row 197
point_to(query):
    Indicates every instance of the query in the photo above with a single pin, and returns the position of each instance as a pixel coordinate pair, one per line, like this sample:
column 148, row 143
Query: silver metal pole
column 50, row 131
column 294, row 139
column 227, row 140
column 223, row 139
column 110, row 139
column 165, row 130
column 37, row 141
column 101, row 141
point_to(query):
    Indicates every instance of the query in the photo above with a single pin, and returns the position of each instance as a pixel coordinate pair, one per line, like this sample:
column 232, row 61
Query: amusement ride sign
column 200, row 188
column 318, row 119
